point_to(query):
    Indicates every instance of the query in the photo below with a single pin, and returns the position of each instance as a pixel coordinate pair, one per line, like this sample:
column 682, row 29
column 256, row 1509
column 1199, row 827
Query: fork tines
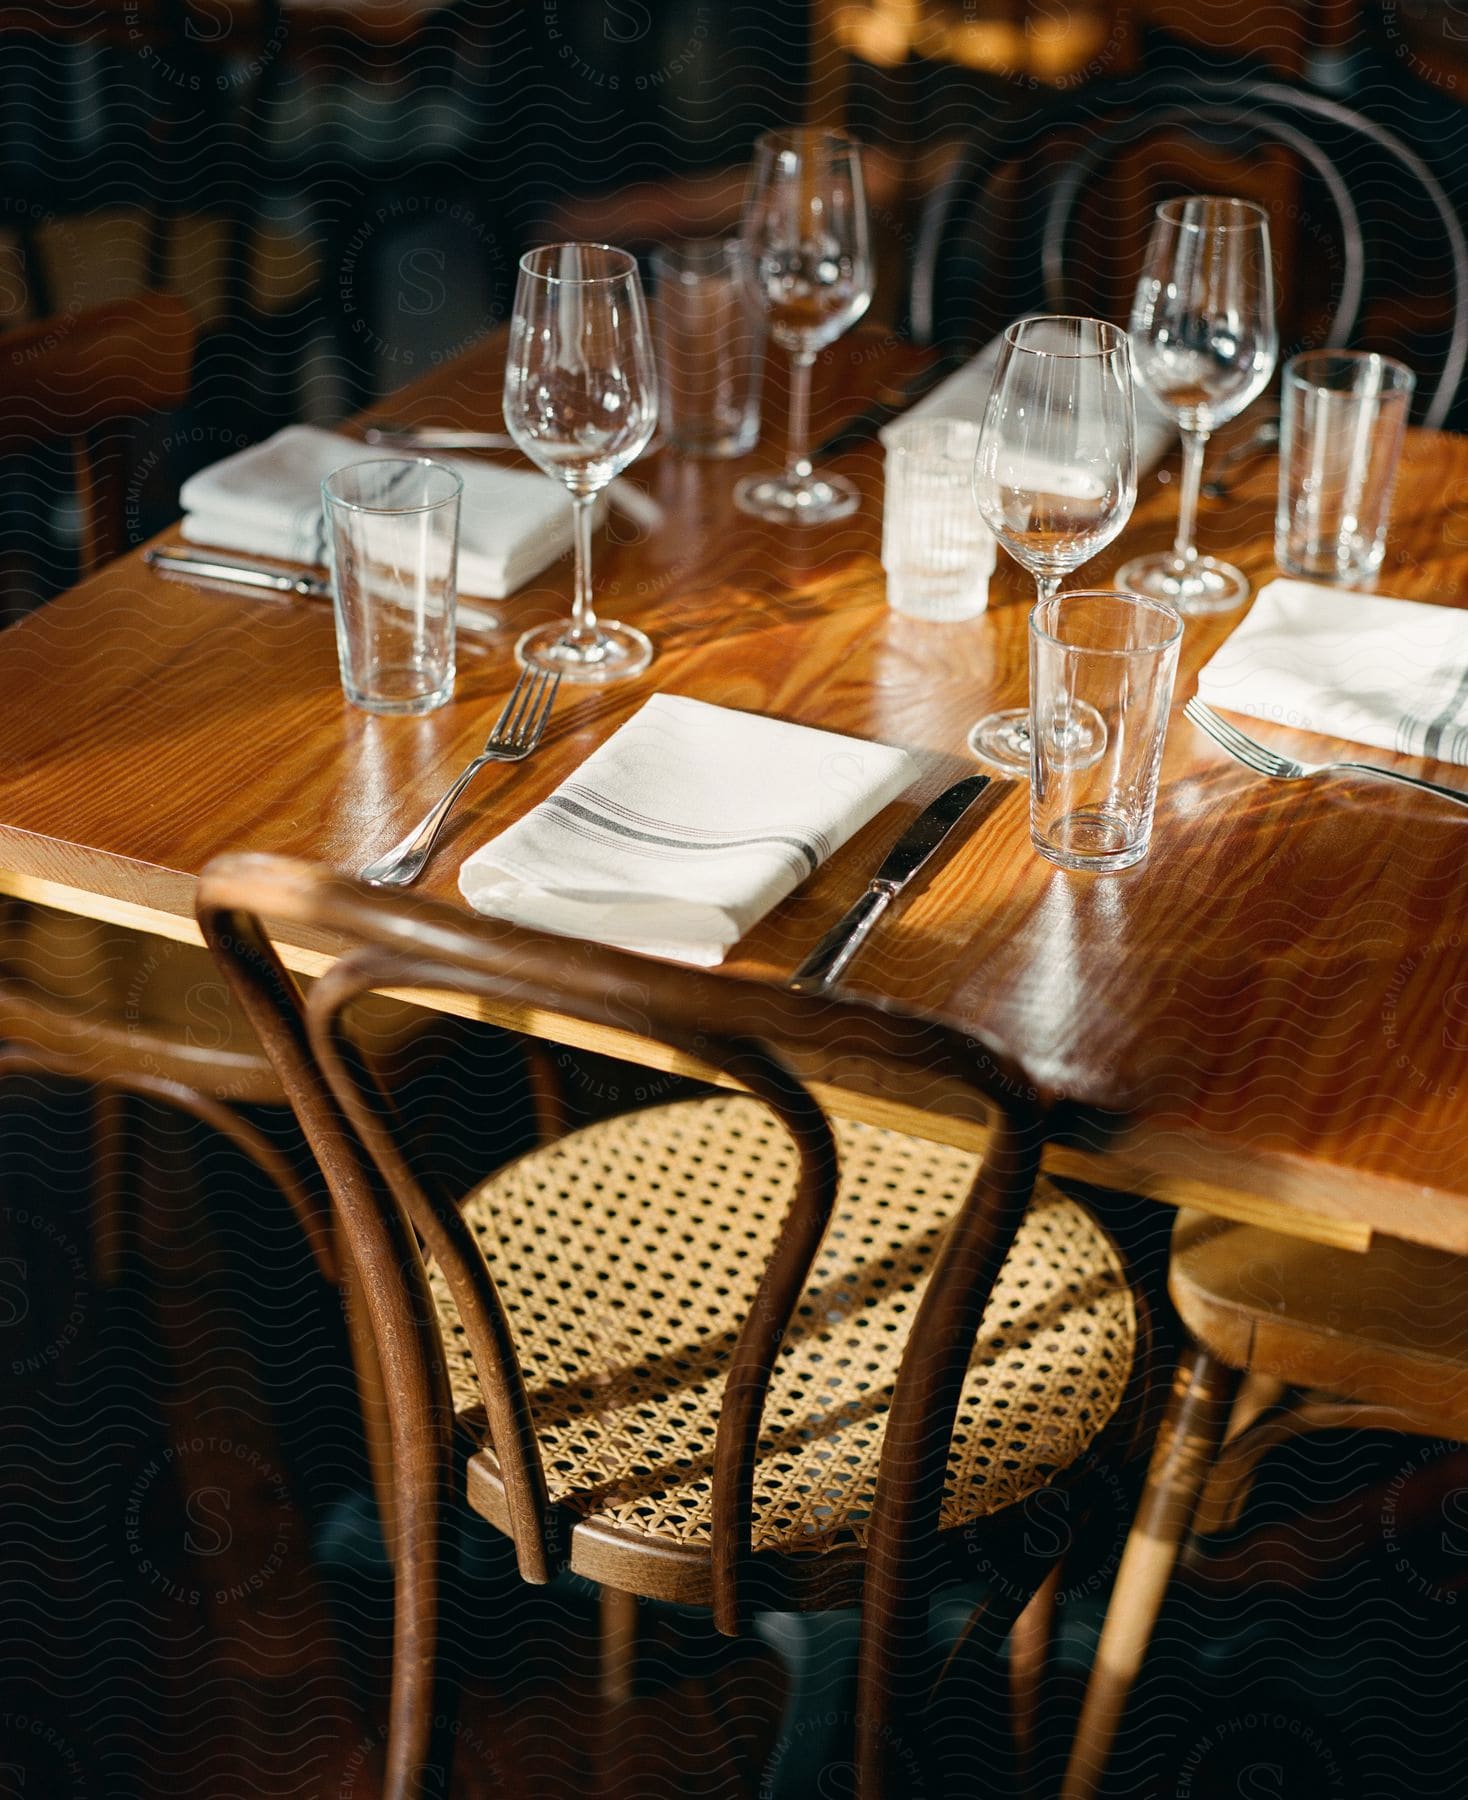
column 1253, row 755
column 520, row 725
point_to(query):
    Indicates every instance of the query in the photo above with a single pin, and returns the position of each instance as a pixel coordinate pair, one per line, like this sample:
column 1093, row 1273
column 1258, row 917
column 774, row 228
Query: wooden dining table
column 1267, row 1018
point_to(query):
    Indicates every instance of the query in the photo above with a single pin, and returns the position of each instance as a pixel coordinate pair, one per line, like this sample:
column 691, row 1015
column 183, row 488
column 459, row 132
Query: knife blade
column 241, row 571
column 901, row 863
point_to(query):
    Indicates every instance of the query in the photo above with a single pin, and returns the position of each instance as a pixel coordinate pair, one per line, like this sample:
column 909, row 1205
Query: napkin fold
column 1389, row 673
column 266, row 501
column 684, row 829
column 966, row 392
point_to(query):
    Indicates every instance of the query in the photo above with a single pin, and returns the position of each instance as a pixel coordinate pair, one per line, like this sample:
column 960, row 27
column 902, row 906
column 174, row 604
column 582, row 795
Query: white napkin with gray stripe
column 1389, row 673
column 684, row 829
column 266, row 501
column 965, row 394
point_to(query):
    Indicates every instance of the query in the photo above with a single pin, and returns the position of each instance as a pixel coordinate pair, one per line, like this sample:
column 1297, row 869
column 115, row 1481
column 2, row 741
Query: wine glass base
column 618, row 652
column 1002, row 739
column 1204, row 585
column 813, row 500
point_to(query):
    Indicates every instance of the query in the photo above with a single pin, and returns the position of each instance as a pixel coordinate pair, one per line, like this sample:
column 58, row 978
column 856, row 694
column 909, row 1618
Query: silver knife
column 240, row 571
column 903, row 861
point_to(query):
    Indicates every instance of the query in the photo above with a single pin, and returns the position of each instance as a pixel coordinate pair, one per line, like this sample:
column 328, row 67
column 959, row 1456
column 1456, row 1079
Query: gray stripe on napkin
column 1432, row 738
column 800, row 845
column 714, row 839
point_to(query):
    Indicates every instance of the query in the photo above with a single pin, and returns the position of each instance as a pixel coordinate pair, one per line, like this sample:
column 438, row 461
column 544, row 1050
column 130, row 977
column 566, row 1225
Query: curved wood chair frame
column 750, row 1035
column 1123, row 114
column 77, row 378
column 40, row 1039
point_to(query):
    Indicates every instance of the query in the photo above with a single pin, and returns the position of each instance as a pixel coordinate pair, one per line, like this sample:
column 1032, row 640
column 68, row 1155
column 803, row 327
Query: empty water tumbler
column 937, row 551
column 711, row 348
column 1343, row 419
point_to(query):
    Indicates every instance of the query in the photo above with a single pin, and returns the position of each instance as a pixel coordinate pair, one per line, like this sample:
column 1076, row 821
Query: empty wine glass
column 1204, row 343
column 1055, row 478
column 581, row 400
column 809, row 264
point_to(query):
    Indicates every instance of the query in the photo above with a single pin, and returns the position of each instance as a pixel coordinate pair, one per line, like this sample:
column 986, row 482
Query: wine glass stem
column 583, row 618
column 1194, row 444
column 797, row 456
column 1047, row 586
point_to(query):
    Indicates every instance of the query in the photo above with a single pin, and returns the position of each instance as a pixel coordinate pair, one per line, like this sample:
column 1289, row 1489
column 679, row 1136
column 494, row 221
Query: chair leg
column 1029, row 1653
column 618, row 1646
column 109, row 1199
column 1186, row 1446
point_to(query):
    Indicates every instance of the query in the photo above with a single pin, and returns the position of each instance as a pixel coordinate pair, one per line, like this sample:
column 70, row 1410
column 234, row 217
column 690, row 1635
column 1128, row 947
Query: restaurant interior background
column 193, row 1591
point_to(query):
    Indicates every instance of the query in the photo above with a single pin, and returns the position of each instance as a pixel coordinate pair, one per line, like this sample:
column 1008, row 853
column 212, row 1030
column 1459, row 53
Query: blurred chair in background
column 1057, row 214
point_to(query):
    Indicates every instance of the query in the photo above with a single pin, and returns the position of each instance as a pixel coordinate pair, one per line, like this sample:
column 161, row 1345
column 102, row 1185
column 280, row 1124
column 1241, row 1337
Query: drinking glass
column 1115, row 655
column 1343, row 415
column 937, row 552
column 1055, row 476
column 711, row 348
column 392, row 528
column 1204, row 343
column 809, row 262
column 581, row 400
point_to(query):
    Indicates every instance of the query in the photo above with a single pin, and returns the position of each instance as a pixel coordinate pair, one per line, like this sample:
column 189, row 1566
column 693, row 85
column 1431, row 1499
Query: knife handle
column 840, row 943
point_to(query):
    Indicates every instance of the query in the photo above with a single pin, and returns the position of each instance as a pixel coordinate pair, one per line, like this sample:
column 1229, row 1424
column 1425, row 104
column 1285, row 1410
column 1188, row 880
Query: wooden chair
column 1325, row 1339
column 84, row 379
column 727, row 1351
column 1102, row 161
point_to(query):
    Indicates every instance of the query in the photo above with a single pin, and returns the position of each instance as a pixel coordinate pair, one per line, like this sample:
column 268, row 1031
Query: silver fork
column 517, row 732
column 1284, row 768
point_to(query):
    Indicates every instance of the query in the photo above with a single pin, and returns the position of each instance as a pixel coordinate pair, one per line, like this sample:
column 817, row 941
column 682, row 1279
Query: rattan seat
column 627, row 1254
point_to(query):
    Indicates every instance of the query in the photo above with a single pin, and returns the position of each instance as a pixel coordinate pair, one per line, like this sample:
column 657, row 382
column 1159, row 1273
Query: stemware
column 581, row 400
column 808, row 261
column 1204, row 343
column 1055, row 479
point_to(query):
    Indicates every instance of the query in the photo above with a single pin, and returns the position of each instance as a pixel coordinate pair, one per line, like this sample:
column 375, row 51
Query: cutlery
column 1264, row 439
column 632, row 501
column 867, row 423
column 902, row 862
column 242, row 571
column 1284, row 768
column 435, row 437
column 517, row 732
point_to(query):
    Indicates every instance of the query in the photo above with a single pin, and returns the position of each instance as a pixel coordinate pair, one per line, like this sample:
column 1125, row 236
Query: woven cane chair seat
column 627, row 1255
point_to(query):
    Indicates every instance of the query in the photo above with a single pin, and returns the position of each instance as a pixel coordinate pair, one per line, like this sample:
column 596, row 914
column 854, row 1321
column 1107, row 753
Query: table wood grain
column 1269, row 1016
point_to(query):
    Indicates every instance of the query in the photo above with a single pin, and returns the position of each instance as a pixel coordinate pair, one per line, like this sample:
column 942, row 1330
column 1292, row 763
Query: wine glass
column 1055, row 478
column 581, row 400
column 809, row 265
column 1204, row 344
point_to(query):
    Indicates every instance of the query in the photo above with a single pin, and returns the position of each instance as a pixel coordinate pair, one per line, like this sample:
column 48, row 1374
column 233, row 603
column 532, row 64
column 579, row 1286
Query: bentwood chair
column 1052, row 211
column 1325, row 1339
column 85, row 380
column 728, row 1351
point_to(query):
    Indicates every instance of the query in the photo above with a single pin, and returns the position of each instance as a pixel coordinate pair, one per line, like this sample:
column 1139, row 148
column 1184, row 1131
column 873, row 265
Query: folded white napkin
column 966, row 392
column 684, row 829
column 266, row 501
column 1390, row 673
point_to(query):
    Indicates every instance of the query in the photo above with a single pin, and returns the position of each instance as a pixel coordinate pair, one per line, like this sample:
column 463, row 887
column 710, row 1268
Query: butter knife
column 240, row 571
column 903, row 861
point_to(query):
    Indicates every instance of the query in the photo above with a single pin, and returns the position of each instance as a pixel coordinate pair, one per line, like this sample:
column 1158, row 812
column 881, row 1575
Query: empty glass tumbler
column 1342, row 423
column 937, row 551
column 392, row 528
column 711, row 348
column 1105, row 660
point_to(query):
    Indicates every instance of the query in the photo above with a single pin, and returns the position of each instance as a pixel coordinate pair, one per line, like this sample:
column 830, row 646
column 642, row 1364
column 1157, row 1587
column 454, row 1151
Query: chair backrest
column 773, row 1043
column 82, row 378
column 1354, row 162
